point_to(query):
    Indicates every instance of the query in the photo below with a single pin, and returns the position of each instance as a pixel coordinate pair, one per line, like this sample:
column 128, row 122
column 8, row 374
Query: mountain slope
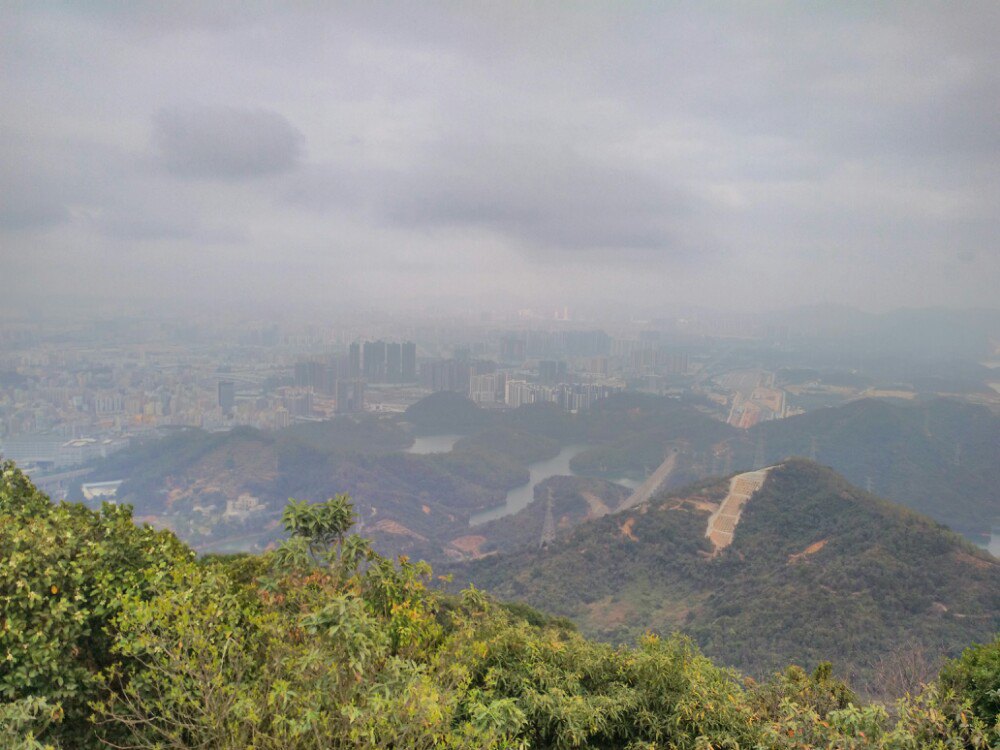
column 817, row 569
column 408, row 503
column 939, row 457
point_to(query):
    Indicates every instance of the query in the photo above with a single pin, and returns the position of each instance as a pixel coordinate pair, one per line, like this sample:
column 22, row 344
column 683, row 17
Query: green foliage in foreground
column 976, row 674
column 115, row 634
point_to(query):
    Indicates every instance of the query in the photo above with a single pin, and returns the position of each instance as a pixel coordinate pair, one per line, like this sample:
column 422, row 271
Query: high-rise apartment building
column 282, row 418
column 393, row 362
column 227, row 396
column 518, row 393
column 373, row 360
column 298, row 403
column 445, row 375
column 358, row 395
column 354, row 360
column 350, row 396
column 551, row 371
column 486, row 389
column 311, row 375
column 409, row 363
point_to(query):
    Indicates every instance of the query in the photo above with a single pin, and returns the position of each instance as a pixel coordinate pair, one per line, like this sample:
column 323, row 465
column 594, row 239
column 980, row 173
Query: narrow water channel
column 433, row 444
column 519, row 497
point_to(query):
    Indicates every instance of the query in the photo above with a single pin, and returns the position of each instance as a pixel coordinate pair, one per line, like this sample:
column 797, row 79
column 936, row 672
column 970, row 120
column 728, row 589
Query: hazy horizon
column 372, row 156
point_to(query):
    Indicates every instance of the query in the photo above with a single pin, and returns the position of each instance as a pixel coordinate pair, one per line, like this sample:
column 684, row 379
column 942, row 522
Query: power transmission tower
column 758, row 457
column 549, row 527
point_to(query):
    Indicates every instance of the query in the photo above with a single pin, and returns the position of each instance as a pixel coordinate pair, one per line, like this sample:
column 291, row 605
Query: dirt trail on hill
column 596, row 506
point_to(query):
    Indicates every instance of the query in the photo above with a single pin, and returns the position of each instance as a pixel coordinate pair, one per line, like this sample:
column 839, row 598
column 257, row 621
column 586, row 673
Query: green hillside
column 817, row 569
column 941, row 457
column 115, row 635
column 408, row 503
column 420, row 504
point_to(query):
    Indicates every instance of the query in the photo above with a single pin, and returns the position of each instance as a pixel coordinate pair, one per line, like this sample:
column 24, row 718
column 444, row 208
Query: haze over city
column 499, row 374
column 164, row 158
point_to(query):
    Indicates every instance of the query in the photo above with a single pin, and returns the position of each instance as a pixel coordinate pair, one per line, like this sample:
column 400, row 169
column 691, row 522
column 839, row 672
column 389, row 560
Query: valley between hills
column 815, row 567
column 224, row 492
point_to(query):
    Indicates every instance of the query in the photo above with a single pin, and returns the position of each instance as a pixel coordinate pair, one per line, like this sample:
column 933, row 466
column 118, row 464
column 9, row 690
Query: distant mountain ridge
column 906, row 332
column 940, row 457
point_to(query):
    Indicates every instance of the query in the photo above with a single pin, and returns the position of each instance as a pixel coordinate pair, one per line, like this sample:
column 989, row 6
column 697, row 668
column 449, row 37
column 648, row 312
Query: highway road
column 653, row 482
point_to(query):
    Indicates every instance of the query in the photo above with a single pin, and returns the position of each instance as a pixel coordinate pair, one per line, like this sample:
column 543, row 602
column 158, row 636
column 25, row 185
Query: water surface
column 632, row 484
column 519, row 497
column 433, row 444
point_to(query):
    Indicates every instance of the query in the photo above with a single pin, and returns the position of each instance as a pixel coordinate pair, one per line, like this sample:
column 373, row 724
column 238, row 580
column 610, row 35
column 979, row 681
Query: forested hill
column 409, row 503
column 817, row 569
column 940, row 457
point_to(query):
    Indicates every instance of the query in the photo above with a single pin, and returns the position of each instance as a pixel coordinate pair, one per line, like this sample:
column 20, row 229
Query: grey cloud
column 31, row 196
column 549, row 199
column 774, row 143
column 917, row 82
column 30, row 211
column 129, row 227
column 225, row 143
column 43, row 180
column 87, row 187
column 330, row 186
column 152, row 17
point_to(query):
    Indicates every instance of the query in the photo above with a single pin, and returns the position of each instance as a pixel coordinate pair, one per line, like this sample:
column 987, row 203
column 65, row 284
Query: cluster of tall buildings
column 344, row 377
column 569, row 396
column 329, row 379
column 500, row 389
column 383, row 362
column 350, row 396
column 489, row 388
column 490, row 384
column 320, row 376
column 99, row 387
column 375, row 361
column 446, row 375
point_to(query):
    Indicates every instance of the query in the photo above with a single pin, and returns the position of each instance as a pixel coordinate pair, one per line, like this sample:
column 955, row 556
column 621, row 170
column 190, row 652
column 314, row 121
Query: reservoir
column 632, row 484
column 433, row 444
column 519, row 497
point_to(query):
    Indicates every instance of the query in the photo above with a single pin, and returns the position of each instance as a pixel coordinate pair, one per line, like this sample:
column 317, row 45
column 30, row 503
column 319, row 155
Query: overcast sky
column 656, row 155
